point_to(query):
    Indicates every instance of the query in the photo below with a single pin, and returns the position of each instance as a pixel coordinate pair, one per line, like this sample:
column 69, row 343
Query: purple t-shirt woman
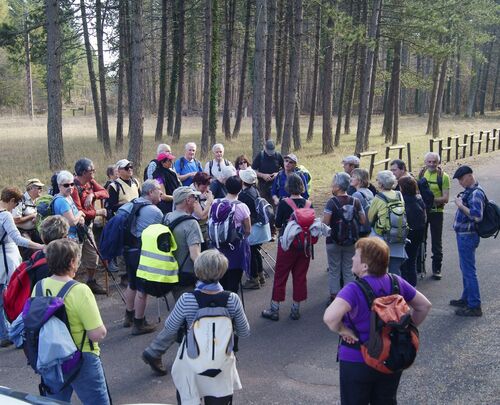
column 358, row 318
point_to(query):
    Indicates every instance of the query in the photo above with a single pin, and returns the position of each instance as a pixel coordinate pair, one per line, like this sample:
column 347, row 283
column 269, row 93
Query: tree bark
column 458, row 87
column 418, row 91
column 350, row 91
column 54, row 86
column 90, row 66
column 283, row 80
column 163, row 72
column 174, row 73
column 343, row 78
column 396, row 72
column 388, row 101
column 310, row 130
column 432, row 101
column 271, row 39
column 102, row 78
column 207, row 59
column 27, row 67
column 439, row 99
column 136, row 116
column 484, row 81
column 297, row 143
column 229, row 9
column 293, row 82
column 181, row 72
column 495, row 86
column 471, row 99
column 259, row 82
column 327, row 89
column 215, row 73
column 243, row 73
column 121, row 75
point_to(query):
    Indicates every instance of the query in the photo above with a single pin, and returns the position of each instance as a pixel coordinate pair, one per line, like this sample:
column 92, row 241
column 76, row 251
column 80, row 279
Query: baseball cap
column 351, row 159
column 462, row 171
column 248, row 176
column 164, row 156
column 34, row 182
column 123, row 163
column 269, row 147
column 182, row 193
column 291, row 156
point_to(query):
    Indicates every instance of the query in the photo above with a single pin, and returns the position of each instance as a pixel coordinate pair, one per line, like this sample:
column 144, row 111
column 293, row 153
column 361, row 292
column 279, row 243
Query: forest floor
column 23, row 151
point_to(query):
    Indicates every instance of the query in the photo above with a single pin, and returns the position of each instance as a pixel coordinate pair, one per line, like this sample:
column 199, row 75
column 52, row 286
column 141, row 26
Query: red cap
column 164, row 156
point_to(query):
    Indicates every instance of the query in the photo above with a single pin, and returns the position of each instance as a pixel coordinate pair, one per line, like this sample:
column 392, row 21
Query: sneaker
column 270, row 314
column 154, row 362
column 5, row 343
column 458, row 303
column 96, row 288
column 469, row 311
column 294, row 314
column 437, row 275
column 262, row 279
column 251, row 284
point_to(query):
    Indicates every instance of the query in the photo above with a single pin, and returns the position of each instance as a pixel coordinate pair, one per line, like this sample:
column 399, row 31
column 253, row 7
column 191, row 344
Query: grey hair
column 216, row 146
column 210, row 266
column 163, row 147
column 82, row 165
column 186, row 146
column 432, row 155
column 386, row 179
column 64, row 176
column 148, row 186
column 342, row 180
column 53, row 228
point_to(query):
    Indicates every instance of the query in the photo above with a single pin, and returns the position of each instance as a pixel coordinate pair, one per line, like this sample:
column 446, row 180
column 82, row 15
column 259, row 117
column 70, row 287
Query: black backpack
column 211, row 165
column 344, row 222
column 426, row 193
column 147, row 167
column 490, row 224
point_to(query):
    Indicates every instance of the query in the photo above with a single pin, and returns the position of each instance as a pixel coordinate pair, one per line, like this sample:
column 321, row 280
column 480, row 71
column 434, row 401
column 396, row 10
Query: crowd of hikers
column 197, row 232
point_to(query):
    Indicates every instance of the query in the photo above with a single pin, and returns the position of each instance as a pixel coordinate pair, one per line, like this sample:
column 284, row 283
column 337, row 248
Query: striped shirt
column 474, row 199
column 186, row 307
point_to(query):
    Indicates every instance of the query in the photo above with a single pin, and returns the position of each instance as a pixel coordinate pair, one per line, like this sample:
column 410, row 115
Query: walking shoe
column 262, row 279
column 458, row 303
column 251, row 284
column 154, row 362
column 270, row 314
column 469, row 311
column 294, row 314
column 437, row 275
column 129, row 319
column 5, row 343
column 96, row 288
column 141, row 327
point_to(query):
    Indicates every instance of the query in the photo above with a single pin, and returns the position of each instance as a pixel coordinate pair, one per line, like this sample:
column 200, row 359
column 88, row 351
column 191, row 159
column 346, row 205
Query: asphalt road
column 294, row 362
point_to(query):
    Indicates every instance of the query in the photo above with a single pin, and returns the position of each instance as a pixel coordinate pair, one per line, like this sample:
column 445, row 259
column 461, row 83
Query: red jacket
column 80, row 193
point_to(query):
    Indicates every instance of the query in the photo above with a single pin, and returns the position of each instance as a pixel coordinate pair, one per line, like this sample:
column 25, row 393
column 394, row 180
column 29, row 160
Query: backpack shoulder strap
column 394, row 284
column 205, row 300
column 291, row 203
column 179, row 220
column 367, row 291
column 198, row 165
column 118, row 186
column 39, row 289
column 66, row 288
column 210, row 165
column 422, row 172
column 382, row 197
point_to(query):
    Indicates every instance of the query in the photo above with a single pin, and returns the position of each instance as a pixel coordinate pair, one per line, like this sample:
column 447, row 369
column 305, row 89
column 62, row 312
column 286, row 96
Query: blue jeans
column 467, row 244
column 4, row 326
column 89, row 385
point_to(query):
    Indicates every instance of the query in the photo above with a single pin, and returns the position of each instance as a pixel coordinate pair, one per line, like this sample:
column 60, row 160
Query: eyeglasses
column 91, row 170
column 67, row 185
column 128, row 167
column 289, row 161
column 39, row 188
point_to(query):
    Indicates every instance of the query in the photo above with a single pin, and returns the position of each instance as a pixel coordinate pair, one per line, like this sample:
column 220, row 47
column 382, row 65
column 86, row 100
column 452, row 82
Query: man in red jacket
column 85, row 193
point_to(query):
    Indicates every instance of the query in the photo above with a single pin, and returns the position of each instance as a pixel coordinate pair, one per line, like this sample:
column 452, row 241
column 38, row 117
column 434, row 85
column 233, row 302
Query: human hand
column 101, row 212
column 348, row 335
column 276, row 200
column 459, row 202
column 88, row 201
column 210, row 197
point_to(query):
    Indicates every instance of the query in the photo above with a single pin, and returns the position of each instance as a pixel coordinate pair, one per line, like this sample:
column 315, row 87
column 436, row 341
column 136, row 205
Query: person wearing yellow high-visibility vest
column 147, row 214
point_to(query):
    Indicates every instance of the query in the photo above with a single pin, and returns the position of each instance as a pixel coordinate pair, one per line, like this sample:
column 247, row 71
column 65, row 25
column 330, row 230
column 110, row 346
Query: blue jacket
column 278, row 188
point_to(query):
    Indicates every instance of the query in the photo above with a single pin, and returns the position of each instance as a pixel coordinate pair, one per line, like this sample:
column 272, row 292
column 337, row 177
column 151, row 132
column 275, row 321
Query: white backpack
column 208, row 345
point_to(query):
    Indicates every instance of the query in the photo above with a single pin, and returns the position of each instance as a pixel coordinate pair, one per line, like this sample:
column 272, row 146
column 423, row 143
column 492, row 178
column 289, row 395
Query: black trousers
column 231, row 280
column 255, row 261
column 363, row 385
column 435, row 222
column 409, row 267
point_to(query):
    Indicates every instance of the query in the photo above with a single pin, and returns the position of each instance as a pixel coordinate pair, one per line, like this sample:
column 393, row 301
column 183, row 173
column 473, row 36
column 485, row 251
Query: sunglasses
column 67, row 185
column 128, row 167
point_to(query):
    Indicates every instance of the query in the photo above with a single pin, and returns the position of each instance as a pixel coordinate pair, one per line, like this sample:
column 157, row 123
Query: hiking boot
column 262, row 279
column 294, row 314
column 96, row 288
column 154, row 362
column 129, row 319
column 436, row 275
column 124, row 281
column 458, row 303
column 251, row 284
column 5, row 343
column 141, row 327
column 469, row 312
column 270, row 314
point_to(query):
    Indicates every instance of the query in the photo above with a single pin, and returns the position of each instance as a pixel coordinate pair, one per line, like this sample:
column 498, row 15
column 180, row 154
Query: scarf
column 201, row 286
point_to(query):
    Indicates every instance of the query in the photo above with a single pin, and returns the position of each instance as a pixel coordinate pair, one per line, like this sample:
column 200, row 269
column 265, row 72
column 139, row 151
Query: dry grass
column 23, row 152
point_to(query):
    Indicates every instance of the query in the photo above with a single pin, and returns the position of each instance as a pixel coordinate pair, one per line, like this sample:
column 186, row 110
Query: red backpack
column 304, row 217
column 19, row 289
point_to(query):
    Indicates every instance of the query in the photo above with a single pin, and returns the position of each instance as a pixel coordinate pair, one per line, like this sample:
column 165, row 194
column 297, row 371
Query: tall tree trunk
column 350, row 89
column 181, row 71
column 163, row 72
column 215, row 73
column 418, row 91
column 283, row 80
column 458, row 87
column 27, row 67
column 471, row 99
column 447, row 98
column 293, row 82
column 366, row 79
column 174, row 73
column 229, row 11
column 343, row 78
column 90, row 66
column 259, row 81
column 207, row 59
column 495, row 86
column 271, row 39
column 310, row 130
column 136, row 116
column 388, row 101
column 432, row 101
column 484, row 81
column 396, row 72
column 278, row 67
column 121, row 75
column 297, row 143
column 243, row 73
column 439, row 99
column 102, row 78
column 404, row 93
column 327, row 89
column 54, row 86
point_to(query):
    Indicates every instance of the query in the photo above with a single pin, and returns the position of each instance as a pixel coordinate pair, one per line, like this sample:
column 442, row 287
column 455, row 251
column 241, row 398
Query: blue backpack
column 48, row 345
column 116, row 233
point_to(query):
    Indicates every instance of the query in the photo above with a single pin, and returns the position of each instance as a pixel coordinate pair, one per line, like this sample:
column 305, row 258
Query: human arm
column 200, row 212
column 420, row 308
column 476, row 203
column 151, row 169
column 327, row 212
column 63, row 207
column 360, row 211
column 10, row 228
column 98, row 334
column 18, row 220
column 112, row 201
column 275, row 189
column 194, row 251
column 443, row 199
column 241, row 325
column 333, row 319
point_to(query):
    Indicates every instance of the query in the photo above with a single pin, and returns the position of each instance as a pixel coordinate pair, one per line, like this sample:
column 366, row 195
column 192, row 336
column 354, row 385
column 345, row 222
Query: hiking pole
column 260, row 250
column 105, row 265
column 242, row 297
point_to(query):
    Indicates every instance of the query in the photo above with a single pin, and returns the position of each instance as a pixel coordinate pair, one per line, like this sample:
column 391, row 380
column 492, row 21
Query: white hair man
column 187, row 166
column 214, row 167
